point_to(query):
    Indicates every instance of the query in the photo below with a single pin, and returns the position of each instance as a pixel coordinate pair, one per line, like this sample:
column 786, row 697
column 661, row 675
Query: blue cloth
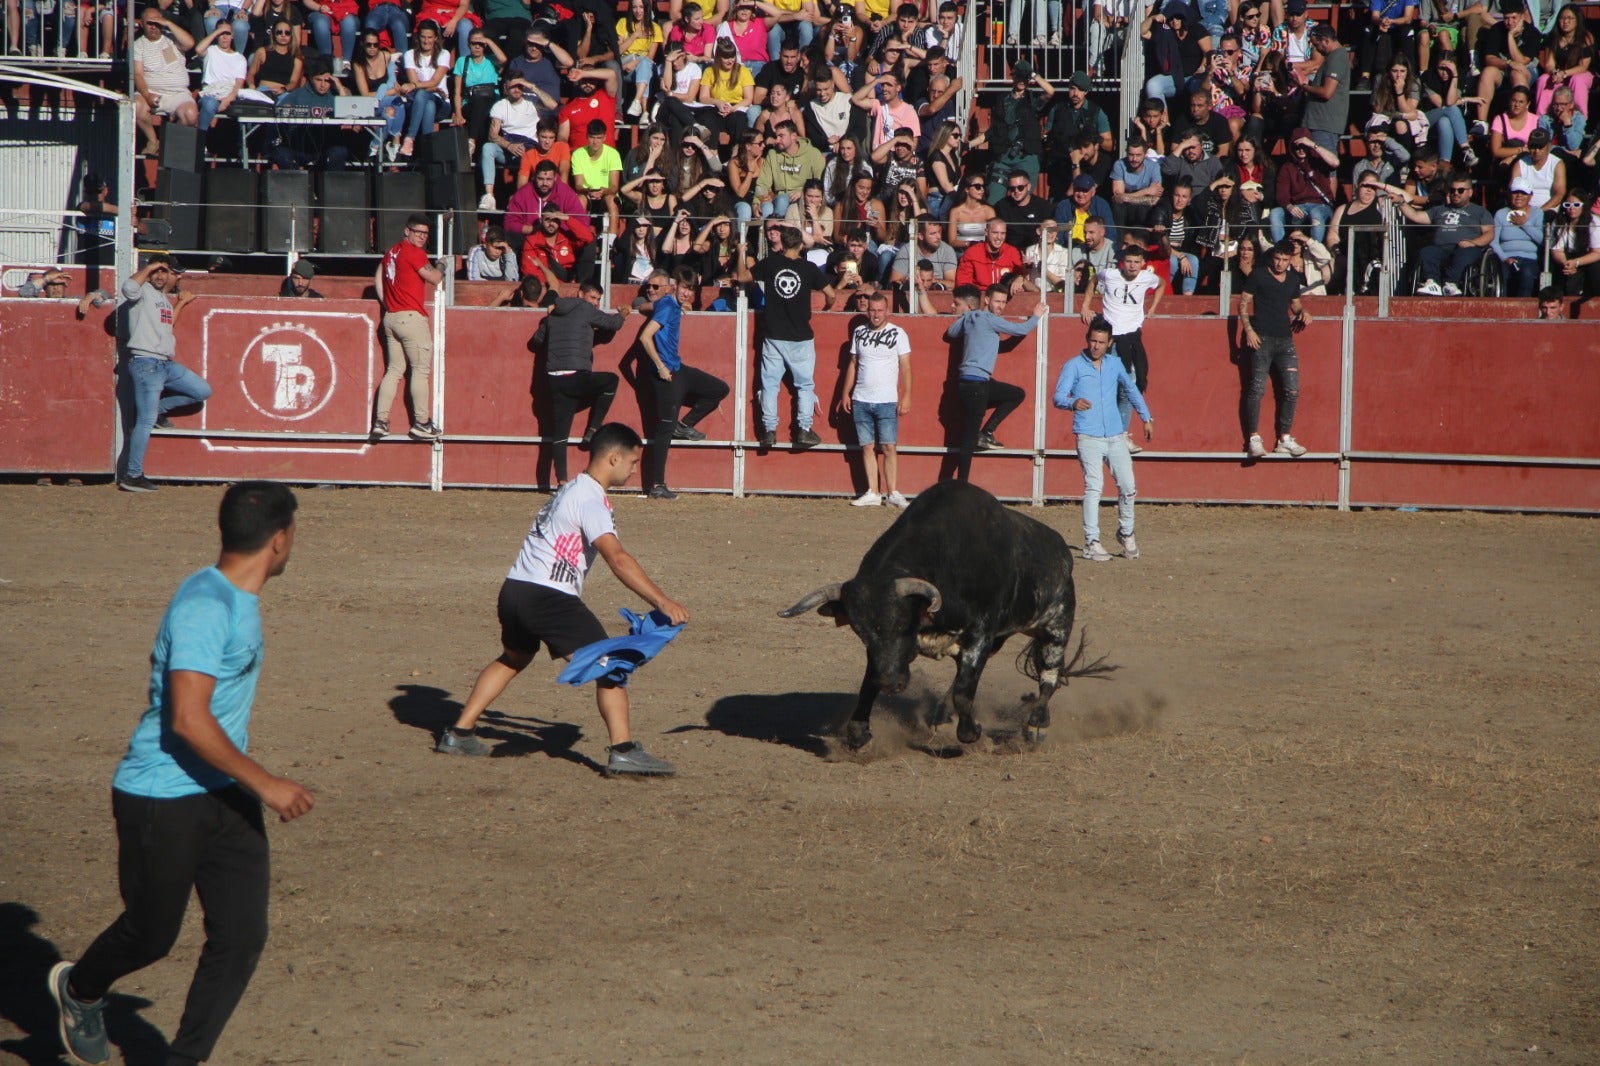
column 982, row 330
column 616, row 657
column 1080, row 380
column 669, row 314
column 211, row 627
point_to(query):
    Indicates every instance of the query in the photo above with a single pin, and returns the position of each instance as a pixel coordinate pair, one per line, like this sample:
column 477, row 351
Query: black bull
column 958, row 574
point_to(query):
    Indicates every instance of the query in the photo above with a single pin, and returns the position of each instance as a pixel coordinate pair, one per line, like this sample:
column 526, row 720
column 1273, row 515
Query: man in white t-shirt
column 1122, row 292
column 539, row 601
column 513, row 129
column 877, row 391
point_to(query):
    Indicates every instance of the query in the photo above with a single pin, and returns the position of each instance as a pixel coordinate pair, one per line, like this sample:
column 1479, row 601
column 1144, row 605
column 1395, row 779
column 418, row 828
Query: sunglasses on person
column 1230, row 51
column 1572, row 205
column 655, row 286
column 1018, row 188
column 1460, row 191
column 280, row 33
column 974, row 184
column 1254, row 15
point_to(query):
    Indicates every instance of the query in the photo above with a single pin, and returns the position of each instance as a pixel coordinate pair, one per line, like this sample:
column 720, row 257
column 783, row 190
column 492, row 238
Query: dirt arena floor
column 1340, row 804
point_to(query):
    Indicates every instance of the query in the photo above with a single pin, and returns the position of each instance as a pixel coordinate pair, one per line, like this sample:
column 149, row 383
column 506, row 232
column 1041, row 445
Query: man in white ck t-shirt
column 539, row 600
column 1122, row 292
column 877, row 391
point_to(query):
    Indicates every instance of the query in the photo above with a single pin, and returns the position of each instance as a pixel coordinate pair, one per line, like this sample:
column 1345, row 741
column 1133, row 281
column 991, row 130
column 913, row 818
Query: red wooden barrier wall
column 294, row 383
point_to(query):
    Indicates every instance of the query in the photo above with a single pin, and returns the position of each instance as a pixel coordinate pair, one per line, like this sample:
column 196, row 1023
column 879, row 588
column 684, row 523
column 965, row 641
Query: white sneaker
column 867, row 499
column 1134, row 447
column 1469, row 157
column 1254, row 447
column 1055, row 39
column 1095, row 553
column 1038, row 40
column 635, row 109
column 1130, row 549
column 486, row 203
column 894, row 499
column 1429, row 288
column 1287, row 445
column 1452, row 289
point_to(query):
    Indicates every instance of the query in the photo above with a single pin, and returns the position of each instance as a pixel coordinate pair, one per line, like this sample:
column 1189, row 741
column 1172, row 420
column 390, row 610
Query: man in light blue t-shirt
column 186, row 797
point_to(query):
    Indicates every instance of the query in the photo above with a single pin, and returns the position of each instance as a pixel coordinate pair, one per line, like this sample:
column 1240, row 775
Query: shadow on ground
column 25, row 962
column 433, row 711
column 811, row 721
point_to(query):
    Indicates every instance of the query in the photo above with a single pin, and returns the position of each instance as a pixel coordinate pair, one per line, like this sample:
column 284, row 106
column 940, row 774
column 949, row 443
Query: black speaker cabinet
column 286, row 211
column 344, row 201
column 182, row 147
column 456, row 193
column 448, row 148
column 231, row 210
column 399, row 194
column 178, row 201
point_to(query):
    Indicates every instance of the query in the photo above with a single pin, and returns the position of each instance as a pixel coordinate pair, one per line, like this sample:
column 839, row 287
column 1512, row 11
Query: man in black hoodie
column 567, row 337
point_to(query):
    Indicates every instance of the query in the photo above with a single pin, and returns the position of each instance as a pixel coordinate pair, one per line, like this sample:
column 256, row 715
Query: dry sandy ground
column 1339, row 805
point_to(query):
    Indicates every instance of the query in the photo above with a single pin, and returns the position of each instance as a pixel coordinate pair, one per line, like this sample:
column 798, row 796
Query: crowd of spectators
column 840, row 121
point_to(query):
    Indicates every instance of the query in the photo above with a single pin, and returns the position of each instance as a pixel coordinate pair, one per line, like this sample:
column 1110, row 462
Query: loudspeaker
column 457, row 193
column 182, row 147
column 399, row 194
column 345, row 202
column 448, row 148
column 231, row 210
column 178, row 200
column 286, row 211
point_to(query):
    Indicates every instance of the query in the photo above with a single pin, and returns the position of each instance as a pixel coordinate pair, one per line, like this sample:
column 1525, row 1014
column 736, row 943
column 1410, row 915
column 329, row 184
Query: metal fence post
column 741, row 386
column 1041, row 405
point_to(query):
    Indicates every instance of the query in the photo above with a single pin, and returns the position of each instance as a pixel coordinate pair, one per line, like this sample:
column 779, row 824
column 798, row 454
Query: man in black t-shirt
column 787, row 281
column 1022, row 211
column 785, row 71
column 1270, row 313
column 1214, row 131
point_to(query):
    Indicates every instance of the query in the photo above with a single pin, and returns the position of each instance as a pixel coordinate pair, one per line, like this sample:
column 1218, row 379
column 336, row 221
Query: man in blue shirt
column 675, row 384
column 1090, row 386
column 186, row 797
column 981, row 330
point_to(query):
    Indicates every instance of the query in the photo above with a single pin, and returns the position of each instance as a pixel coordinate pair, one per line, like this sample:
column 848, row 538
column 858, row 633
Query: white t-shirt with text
column 559, row 549
column 1124, row 299
column 878, row 353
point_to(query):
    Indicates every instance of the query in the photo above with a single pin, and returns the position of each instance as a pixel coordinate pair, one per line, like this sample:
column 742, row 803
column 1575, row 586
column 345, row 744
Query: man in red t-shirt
column 596, row 100
column 403, row 279
column 986, row 264
column 558, row 242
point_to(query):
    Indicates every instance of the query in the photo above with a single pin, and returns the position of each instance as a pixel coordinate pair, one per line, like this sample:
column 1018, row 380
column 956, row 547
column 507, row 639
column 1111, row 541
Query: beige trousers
column 408, row 340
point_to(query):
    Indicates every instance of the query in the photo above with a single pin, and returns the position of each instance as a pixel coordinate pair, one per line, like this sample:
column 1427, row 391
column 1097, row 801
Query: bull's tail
column 1030, row 661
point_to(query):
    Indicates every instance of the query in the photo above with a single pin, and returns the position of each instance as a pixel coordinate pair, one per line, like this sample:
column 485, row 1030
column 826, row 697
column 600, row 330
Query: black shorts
column 531, row 614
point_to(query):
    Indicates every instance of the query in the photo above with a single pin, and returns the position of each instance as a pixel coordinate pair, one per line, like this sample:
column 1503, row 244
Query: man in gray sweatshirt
column 980, row 330
column 154, row 378
column 567, row 338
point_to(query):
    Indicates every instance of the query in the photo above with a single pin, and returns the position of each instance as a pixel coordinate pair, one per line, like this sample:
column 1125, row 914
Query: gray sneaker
column 83, row 1031
column 637, row 763
column 450, row 744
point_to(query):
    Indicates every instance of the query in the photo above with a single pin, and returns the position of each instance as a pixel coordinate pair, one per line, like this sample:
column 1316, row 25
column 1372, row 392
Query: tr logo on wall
column 287, row 372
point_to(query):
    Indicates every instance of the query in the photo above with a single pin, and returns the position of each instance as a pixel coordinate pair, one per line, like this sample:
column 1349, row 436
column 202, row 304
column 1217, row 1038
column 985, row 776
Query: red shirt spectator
column 403, row 287
column 577, row 113
column 982, row 265
column 556, row 243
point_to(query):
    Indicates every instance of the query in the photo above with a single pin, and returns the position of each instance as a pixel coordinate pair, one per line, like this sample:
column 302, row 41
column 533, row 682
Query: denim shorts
column 876, row 423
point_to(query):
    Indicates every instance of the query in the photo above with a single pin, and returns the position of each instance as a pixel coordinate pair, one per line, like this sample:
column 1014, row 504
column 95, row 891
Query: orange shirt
column 560, row 154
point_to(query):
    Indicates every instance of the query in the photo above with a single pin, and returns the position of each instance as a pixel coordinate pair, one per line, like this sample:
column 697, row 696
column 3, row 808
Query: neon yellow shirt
column 594, row 172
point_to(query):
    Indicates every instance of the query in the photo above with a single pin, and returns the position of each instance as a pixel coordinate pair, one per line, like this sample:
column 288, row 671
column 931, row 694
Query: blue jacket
column 1080, row 380
column 982, row 330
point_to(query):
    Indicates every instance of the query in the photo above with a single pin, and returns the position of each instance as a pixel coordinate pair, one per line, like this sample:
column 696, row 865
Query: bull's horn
column 825, row 594
column 915, row 586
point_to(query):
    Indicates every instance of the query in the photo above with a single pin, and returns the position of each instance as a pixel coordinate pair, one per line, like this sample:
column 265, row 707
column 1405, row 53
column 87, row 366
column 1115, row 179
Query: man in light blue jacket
column 1089, row 387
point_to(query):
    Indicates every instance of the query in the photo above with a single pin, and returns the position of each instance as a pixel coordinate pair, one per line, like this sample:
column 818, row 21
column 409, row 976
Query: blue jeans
column 1093, row 455
column 423, row 113
column 778, row 205
column 1452, row 127
column 804, row 33
column 157, row 386
column 876, row 423
column 393, row 124
column 1518, row 277
column 322, row 33
column 208, row 111
column 800, row 358
column 391, row 17
column 642, row 72
column 1166, row 87
column 1180, row 283
column 493, row 157
column 1317, row 216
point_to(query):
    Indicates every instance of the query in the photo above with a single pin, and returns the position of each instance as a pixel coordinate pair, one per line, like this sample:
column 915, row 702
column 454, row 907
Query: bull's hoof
column 856, row 735
column 1035, row 734
column 968, row 731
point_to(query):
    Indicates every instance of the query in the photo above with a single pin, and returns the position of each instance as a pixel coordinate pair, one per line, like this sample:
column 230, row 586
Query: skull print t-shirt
column 788, row 285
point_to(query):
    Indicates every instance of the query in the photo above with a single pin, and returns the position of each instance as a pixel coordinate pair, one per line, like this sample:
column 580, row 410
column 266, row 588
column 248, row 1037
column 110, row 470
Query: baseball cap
column 1082, row 183
column 1079, row 80
column 304, row 268
column 1022, row 70
column 1295, row 7
column 1521, row 184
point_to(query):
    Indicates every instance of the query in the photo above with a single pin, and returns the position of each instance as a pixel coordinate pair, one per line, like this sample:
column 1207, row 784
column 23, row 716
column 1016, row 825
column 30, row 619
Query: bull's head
column 886, row 614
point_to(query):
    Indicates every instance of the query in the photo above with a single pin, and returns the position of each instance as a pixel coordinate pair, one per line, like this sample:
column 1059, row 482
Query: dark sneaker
column 661, row 492
column 987, row 443
column 769, row 438
column 136, row 484
column 450, row 744
column 588, row 435
column 686, row 432
column 83, row 1032
column 637, row 763
column 164, row 423
column 804, row 438
column 379, row 430
column 426, row 431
